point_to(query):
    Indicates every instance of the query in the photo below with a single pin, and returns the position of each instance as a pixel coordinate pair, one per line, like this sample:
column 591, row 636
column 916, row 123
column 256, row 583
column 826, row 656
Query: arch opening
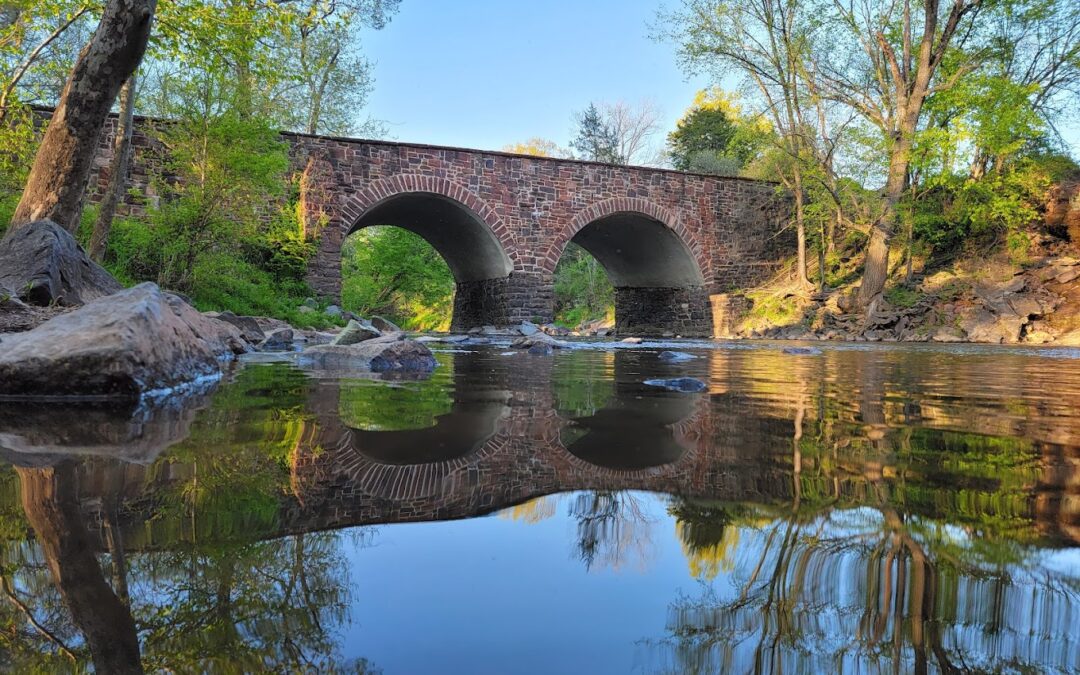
column 659, row 287
column 479, row 266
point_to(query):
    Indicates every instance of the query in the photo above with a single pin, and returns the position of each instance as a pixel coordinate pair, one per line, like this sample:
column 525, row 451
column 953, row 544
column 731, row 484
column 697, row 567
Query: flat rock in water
column 118, row 347
column 675, row 357
column 389, row 353
column 632, row 340
column 804, row 351
column 687, row 385
column 528, row 328
column 43, row 264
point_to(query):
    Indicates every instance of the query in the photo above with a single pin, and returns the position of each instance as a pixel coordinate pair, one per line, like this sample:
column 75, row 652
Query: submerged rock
column 689, row 385
column 118, row 347
column 355, row 333
column 675, row 357
column 42, row 264
column 541, row 349
column 389, row 353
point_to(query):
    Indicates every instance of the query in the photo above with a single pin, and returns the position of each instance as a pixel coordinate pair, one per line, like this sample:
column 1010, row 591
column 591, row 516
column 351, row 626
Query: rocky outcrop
column 385, row 354
column 42, row 264
column 123, row 346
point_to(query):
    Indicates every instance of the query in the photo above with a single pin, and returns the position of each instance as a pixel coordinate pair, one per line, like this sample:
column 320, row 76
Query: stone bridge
column 672, row 243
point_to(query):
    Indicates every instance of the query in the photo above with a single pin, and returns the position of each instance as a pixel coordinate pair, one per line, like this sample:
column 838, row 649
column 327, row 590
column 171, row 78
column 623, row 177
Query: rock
column 528, row 328
column 687, row 385
column 223, row 338
column 269, row 324
column 279, row 340
column 809, row 351
column 384, row 325
column 354, row 333
column 332, row 310
column 983, row 326
column 44, row 265
column 542, row 349
column 1025, row 305
column 675, row 357
column 631, row 340
column 552, row 329
column 122, row 347
column 248, row 325
column 305, row 309
column 947, row 334
column 536, row 339
column 310, row 303
column 452, row 339
column 389, row 353
column 1063, row 278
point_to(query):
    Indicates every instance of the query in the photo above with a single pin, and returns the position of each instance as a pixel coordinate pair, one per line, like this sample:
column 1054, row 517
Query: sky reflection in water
column 881, row 510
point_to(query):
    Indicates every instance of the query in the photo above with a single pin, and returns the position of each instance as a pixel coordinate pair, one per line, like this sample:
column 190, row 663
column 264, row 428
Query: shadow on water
column 909, row 510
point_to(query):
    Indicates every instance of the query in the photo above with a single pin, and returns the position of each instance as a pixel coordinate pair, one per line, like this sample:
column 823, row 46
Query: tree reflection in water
column 864, row 589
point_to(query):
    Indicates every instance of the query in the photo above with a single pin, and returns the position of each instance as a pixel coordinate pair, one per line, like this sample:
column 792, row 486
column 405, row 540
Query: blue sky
column 486, row 73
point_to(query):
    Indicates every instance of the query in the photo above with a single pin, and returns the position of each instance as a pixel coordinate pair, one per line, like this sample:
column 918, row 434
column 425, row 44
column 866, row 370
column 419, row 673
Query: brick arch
column 380, row 190
column 610, row 207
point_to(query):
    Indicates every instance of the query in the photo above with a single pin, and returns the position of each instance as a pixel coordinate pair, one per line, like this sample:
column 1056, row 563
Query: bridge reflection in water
column 838, row 511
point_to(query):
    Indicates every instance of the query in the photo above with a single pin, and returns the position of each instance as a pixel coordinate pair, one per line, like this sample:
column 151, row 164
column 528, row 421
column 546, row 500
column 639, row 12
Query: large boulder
column 123, row 346
column 44, row 265
column 389, row 353
column 384, row 325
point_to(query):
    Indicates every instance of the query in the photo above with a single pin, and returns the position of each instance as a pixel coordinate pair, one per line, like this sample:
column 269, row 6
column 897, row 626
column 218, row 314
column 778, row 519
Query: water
column 865, row 509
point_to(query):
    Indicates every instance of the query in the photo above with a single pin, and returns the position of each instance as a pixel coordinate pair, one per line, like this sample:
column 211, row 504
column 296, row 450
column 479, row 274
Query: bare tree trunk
column 62, row 166
column 800, row 227
column 118, row 169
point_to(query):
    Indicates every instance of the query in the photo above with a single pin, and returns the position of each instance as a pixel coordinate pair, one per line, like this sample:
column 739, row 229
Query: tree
column 596, row 140
column 632, row 127
column 766, row 42
column 540, row 147
column 118, row 169
column 57, row 180
column 886, row 69
column 712, row 137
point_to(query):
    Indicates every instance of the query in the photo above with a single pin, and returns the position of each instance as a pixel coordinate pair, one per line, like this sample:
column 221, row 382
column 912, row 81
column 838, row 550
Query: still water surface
column 858, row 510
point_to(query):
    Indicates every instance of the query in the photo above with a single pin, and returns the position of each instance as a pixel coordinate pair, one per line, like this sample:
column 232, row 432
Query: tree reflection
column 613, row 529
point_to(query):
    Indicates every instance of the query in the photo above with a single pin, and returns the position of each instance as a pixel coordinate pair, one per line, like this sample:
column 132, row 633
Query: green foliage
column 711, row 138
column 582, row 290
column 596, row 140
column 395, row 273
column 902, row 296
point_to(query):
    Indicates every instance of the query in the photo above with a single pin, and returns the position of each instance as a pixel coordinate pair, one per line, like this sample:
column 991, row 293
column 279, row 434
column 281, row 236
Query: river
column 854, row 508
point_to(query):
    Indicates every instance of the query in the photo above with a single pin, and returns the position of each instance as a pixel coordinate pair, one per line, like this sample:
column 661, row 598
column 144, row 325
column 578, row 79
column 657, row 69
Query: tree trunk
column 800, row 228
column 62, row 166
column 877, row 253
column 118, row 169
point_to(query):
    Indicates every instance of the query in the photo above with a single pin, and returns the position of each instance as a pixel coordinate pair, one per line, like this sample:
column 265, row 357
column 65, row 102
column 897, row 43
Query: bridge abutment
column 481, row 303
column 659, row 311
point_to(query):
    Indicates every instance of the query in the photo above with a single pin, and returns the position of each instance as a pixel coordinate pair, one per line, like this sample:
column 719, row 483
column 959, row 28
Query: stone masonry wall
column 733, row 228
